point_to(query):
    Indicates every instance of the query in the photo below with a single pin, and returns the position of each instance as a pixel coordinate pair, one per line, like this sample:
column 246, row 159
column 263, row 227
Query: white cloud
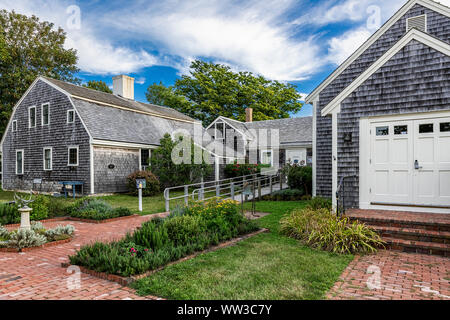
column 97, row 55
column 340, row 48
column 250, row 37
column 141, row 80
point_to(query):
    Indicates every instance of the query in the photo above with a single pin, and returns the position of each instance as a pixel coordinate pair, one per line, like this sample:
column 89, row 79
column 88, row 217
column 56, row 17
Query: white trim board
column 228, row 122
column 432, row 5
column 414, row 34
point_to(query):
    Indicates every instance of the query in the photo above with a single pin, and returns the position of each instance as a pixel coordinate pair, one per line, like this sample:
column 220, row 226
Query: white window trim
column 271, row 156
column 14, row 124
column 51, row 158
column 68, row 156
column 23, row 162
column 42, row 114
column 69, row 111
column 29, row 117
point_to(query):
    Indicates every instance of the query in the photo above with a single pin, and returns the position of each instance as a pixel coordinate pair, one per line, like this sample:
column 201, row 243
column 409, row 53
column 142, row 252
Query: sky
column 294, row 41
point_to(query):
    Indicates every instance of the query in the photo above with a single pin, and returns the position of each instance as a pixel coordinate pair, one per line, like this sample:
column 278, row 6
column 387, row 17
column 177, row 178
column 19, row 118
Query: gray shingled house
column 291, row 141
column 382, row 119
column 63, row 132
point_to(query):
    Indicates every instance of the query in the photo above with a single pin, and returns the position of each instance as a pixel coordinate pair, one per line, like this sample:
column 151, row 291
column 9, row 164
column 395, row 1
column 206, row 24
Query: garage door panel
column 444, row 150
column 381, row 151
column 444, row 184
column 401, row 154
column 425, row 152
column 401, row 183
column 382, row 183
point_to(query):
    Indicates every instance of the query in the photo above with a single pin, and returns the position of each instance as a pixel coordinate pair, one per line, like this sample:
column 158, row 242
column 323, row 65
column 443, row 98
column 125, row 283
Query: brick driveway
column 38, row 274
column 402, row 276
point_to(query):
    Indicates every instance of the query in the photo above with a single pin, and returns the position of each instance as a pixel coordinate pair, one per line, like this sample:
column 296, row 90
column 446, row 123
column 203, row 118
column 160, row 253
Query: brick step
column 418, row 246
column 413, row 234
column 403, row 224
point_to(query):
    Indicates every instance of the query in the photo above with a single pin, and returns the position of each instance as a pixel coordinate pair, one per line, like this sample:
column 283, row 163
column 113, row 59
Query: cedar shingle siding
column 415, row 80
column 58, row 135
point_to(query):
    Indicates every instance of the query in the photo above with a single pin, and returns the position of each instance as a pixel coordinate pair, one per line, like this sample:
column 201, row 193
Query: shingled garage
column 89, row 136
column 382, row 119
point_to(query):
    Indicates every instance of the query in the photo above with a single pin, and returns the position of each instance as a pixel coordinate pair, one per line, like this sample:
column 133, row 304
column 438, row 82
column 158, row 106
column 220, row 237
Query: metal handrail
column 217, row 185
column 340, row 201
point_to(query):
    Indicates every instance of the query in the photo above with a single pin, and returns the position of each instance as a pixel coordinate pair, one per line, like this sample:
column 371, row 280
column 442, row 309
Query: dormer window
column 45, row 114
column 418, row 22
column 14, row 126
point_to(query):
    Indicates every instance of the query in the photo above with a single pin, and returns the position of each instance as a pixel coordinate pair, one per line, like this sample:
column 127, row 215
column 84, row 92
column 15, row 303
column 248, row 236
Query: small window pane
column 426, row 128
column 401, row 130
column 71, row 116
column 32, row 117
column 382, row 131
column 45, row 114
column 14, row 126
column 47, row 159
column 19, row 162
column 445, row 127
column 73, row 156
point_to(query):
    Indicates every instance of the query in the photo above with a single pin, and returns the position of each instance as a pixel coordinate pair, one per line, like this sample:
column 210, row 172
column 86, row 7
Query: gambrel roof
column 432, row 5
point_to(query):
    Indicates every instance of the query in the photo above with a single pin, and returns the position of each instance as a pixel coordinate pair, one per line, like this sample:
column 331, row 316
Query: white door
column 410, row 162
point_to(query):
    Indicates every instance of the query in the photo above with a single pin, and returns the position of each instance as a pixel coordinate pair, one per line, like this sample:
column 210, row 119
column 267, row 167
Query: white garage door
column 410, row 162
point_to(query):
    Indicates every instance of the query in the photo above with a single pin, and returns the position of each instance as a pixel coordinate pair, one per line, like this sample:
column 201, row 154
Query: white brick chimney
column 124, row 86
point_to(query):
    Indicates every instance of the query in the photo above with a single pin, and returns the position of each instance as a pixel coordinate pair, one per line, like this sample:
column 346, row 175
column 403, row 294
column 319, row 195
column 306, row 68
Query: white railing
column 226, row 188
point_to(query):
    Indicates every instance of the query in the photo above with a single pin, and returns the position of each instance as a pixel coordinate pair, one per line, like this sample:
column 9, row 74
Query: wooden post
column 232, row 190
column 259, row 190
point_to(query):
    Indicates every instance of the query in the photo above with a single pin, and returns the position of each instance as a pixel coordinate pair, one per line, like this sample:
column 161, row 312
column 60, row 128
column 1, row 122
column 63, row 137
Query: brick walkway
column 38, row 274
column 402, row 276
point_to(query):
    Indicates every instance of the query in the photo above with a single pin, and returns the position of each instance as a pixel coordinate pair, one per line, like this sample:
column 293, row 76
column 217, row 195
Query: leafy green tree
column 212, row 90
column 169, row 172
column 29, row 48
column 98, row 85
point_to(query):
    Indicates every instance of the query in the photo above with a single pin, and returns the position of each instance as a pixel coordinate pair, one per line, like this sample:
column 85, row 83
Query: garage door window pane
column 401, row 130
column 445, row 127
column 382, row 131
column 426, row 128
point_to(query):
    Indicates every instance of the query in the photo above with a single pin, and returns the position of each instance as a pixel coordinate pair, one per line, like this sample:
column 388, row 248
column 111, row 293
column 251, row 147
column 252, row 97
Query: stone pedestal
column 25, row 218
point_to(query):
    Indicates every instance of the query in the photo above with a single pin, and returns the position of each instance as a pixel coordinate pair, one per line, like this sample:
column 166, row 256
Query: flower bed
column 38, row 237
column 92, row 209
column 161, row 241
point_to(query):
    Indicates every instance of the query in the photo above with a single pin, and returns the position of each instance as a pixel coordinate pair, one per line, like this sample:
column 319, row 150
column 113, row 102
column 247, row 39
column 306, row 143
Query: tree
column 98, row 85
column 29, row 48
column 170, row 173
column 213, row 90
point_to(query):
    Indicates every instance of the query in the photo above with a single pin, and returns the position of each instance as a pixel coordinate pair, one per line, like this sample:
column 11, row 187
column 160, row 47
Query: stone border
column 45, row 245
column 125, row 281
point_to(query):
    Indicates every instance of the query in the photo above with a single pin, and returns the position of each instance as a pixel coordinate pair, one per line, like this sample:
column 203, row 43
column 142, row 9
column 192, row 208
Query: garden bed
column 101, row 221
column 60, row 219
column 45, row 245
column 125, row 281
column 159, row 242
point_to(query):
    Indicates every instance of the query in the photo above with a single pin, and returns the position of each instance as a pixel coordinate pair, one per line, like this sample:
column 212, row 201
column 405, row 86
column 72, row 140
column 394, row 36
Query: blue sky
column 295, row 41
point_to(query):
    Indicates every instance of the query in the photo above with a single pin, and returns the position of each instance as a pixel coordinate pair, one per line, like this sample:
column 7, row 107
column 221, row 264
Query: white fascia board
column 413, row 34
column 225, row 119
column 432, row 5
column 119, row 144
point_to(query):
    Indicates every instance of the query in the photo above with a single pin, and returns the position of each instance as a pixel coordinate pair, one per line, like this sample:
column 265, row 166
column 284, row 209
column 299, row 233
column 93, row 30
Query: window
column 70, row 116
column 45, row 121
column 47, row 159
column 400, row 129
column 267, row 157
column 382, row 131
column 32, row 117
column 145, row 158
column 426, row 128
column 14, row 126
column 73, row 156
column 19, row 162
column 445, row 127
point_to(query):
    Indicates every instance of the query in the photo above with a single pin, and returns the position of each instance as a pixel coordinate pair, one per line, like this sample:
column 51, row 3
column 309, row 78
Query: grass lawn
column 267, row 266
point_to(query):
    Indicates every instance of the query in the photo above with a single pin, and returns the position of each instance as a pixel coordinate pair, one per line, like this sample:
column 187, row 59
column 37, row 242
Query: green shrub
column 317, row 203
column 320, row 229
column 185, row 229
column 4, row 233
column 234, row 170
column 96, row 209
column 59, row 233
column 300, row 178
column 285, row 195
column 9, row 214
column 58, row 207
column 152, row 187
column 40, row 206
column 25, row 239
